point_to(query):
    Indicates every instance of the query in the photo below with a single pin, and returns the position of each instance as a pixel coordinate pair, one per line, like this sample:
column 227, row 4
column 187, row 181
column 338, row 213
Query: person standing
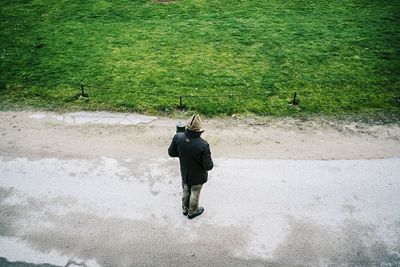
column 195, row 162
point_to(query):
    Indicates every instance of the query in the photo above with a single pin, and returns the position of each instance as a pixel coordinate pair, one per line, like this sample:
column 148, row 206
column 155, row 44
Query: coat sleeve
column 172, row 150
column 206, row 159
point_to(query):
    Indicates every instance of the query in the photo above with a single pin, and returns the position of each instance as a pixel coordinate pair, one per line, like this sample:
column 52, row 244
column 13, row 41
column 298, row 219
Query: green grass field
column 341, row 57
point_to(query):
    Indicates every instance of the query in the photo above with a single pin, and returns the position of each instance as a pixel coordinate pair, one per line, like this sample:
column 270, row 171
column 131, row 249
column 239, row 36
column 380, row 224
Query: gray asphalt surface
column 258, row 212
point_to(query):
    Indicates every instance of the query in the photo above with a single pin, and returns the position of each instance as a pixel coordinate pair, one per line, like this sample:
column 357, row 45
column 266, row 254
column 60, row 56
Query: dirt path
column 109, row 195
column 22, row 135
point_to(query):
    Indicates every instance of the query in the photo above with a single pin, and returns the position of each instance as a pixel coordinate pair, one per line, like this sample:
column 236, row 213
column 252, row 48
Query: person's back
column 195, row 162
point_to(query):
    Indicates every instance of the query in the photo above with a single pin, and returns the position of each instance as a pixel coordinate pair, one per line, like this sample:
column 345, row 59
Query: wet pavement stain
column 122, row 242
column 352, row 244
column 5, row 263
column 115, row 241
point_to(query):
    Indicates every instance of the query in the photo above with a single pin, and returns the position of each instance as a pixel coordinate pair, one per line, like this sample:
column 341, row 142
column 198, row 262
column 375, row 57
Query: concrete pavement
column 113, row 212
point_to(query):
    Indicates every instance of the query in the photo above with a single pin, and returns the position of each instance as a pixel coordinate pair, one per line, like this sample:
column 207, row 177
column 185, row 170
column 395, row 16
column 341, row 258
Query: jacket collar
column 193, row 134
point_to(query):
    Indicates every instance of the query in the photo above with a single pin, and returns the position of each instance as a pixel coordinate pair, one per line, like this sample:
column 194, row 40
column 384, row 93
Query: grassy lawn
column 341, row 57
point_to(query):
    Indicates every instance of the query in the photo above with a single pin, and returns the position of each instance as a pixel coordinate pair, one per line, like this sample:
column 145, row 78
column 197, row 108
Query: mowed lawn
column 223, row 57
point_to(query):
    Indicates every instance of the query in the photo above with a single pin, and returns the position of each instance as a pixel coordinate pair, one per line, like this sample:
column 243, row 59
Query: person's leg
column 185, row 198
column 194, row 198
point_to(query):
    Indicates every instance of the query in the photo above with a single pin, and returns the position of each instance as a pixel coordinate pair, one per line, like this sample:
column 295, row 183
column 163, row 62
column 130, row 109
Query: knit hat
column 194, row 123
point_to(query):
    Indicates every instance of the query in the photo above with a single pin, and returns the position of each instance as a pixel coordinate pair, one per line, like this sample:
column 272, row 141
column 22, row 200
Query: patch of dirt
column 163, row 1
column 256, row 138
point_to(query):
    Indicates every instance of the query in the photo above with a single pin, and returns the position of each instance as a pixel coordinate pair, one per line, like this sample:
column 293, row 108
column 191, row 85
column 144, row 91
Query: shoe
column 185, row 212
column 198, row 212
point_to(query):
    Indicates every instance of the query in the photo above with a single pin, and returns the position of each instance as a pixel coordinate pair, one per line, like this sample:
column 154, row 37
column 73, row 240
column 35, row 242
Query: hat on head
column 194, row 123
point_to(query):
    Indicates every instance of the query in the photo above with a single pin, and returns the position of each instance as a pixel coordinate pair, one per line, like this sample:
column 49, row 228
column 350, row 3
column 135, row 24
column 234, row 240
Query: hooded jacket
column 194, row 156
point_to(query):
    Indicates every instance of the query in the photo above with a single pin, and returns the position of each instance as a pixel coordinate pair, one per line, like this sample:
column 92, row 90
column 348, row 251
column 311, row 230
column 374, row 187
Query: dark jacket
column 194, row 156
